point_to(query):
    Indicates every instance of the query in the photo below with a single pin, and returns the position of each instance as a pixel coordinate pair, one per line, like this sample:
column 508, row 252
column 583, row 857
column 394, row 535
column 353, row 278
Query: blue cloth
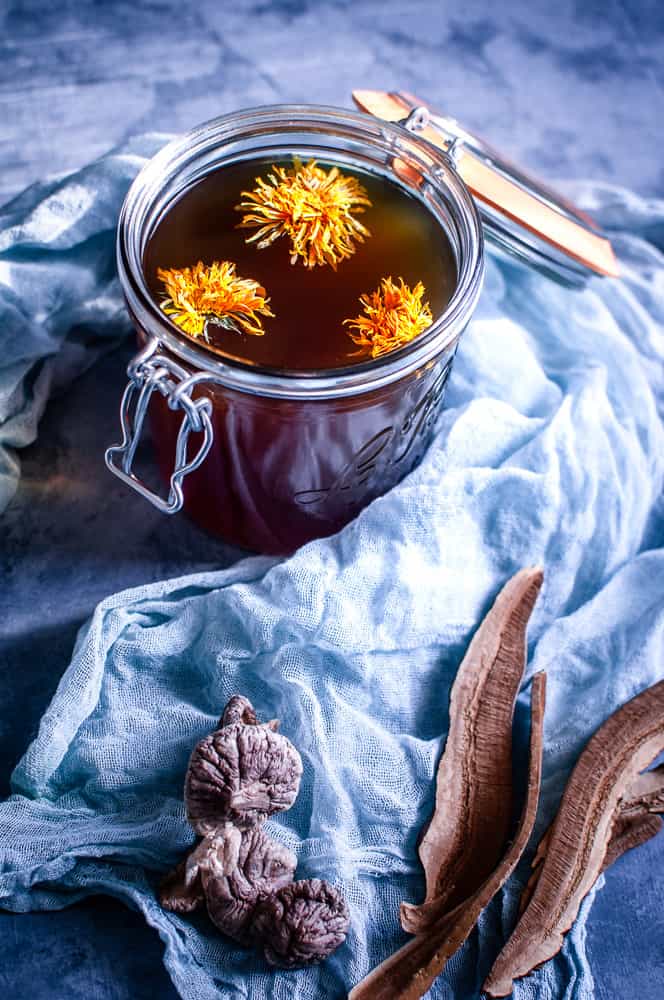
column 60, row 302
column 550, row 450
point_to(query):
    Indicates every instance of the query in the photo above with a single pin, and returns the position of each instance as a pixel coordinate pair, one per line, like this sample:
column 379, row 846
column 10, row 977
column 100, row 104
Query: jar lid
column 521, row 215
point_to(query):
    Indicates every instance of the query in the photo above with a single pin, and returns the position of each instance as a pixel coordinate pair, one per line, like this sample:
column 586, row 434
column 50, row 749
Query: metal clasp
column 152, row 371
column 420, row 118
column 417, row 119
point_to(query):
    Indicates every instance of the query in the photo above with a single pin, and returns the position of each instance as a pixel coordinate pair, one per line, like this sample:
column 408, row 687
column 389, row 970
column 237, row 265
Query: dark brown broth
column 307, row 332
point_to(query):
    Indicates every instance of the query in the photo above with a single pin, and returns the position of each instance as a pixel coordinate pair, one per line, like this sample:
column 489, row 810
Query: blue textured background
column 571, row 89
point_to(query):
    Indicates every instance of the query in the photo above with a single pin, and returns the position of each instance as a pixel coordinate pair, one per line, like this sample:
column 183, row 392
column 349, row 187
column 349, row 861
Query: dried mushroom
column 579, row 841
column 237, row 777
column 466, row 836
column 240, row 709
column 301, row 924
column 239, row 868
column 179, row 894
column 636, row 820
column 409, row 973
column 634, row 823
column 629, row 833
column 645, row 794
column 242, row 773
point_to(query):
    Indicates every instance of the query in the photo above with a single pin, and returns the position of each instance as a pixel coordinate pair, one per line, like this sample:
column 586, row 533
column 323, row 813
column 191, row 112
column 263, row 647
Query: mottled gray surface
column 573, row 89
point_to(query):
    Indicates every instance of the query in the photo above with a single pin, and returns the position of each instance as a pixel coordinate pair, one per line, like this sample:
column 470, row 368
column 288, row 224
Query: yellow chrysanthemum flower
column 214, row 293
column 393, row 316
column 314, row 207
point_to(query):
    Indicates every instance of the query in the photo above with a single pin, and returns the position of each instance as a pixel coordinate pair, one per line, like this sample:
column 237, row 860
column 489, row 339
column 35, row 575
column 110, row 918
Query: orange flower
column 198, row 294
column 393, row 316
column 313, row 207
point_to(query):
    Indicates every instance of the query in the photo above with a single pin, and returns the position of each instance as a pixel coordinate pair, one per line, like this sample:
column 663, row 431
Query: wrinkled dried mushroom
column 237, row 776
column 301, row 924
column 409, row 973
column 576, row 847
column 236, row 868
column 466, row 836
column 180, row 895
column 242, row 773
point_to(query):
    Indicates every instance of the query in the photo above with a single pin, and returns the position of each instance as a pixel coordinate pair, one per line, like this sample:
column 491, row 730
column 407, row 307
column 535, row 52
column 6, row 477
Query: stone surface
column 573, row 89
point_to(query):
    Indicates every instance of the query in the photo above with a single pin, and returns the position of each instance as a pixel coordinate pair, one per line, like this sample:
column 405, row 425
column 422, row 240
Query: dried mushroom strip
column 409, row 973
column 242, row 773
column 634, row 823
column 466, row 836
column 579, row 839
column 645, row 794
column 631, row 833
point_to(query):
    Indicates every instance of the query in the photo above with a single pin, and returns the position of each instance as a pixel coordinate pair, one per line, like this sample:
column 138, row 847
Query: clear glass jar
column 271, row 460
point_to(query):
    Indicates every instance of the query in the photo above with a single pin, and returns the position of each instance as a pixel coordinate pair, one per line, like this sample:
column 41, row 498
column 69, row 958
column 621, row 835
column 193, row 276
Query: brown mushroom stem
column 466, row 836
column 611, row 763
column 240, row 709
column 409, row 973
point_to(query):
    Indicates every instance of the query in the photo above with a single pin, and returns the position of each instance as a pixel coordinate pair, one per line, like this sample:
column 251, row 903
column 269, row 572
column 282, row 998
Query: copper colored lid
column 520, row 214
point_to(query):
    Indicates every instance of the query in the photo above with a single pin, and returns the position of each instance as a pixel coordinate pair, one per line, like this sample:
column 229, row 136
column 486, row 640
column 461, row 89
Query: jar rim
column 178, row 162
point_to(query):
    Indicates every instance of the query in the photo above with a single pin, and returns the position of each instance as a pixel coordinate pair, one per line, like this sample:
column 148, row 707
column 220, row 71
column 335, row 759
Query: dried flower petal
column 314, row 207
column 394, row 315
column 215, row 293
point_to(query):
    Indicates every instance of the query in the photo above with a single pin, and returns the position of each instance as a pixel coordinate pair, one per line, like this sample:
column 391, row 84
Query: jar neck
column 350, row 138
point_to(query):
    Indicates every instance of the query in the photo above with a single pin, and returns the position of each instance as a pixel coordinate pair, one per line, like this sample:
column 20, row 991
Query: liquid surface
column 310, row 305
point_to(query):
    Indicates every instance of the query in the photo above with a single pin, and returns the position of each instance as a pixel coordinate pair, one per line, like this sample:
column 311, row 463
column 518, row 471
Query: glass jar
column 269, row 460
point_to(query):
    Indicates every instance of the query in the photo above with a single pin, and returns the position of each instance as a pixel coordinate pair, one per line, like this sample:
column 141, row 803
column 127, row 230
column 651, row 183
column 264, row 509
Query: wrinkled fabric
column 550, row 451
column 60, row 301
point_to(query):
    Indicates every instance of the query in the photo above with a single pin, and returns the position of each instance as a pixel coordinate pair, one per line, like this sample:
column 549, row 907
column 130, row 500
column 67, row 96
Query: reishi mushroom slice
column 629, row 833
column 409, row 972
column 577, row 846
column 465, row 838
column 634, row 823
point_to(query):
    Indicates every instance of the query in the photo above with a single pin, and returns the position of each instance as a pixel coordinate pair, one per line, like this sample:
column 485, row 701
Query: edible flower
column 215, row 293
column 393, row 316
column 315, row 208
